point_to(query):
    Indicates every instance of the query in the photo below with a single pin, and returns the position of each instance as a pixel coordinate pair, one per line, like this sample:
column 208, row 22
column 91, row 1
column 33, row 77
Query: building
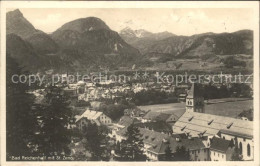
column 182, row 97
column 152, row 116
column 195, row 100
column 221, row 149
column 159, row 126
column 245, row 141
column 149, row 116
column 198, row 124
column 94, row 116
column 123, row 123
column 164, row 117
column 155, row 144
column 133, row 112
column 70, row 91
column 93, row 94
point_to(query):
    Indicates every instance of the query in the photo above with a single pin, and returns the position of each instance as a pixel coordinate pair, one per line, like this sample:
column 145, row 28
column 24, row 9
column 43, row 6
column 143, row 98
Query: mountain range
column 240, row 42
column 89, row 44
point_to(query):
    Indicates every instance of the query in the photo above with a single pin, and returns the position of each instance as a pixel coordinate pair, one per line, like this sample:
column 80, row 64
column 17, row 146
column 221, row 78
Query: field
column 186, row 64
column 212, row 63
column 223, row 107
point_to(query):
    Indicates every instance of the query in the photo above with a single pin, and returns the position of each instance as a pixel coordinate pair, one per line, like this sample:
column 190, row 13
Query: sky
column 179, row 21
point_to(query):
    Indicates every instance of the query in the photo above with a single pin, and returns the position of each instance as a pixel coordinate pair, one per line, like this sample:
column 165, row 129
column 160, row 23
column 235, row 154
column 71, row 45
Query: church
column 196, row 123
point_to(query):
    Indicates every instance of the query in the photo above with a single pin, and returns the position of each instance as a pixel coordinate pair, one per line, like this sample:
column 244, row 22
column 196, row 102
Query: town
column 181, row 128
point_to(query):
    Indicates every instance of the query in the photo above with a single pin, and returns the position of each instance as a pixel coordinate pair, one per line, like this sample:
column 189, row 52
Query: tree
column 231, row 61
column 117, row 147
column 249, row 114
column 96, row 142
column 168, row 154
column 132, row 147
column 153, row 97
column 181, row 154
column 236, row 154
column 55, row 117
column 116, row 111
column 20, row 117
column 241, row 90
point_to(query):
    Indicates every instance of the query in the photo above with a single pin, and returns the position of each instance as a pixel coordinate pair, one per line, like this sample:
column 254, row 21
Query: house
column 168, row 88
column 94, row 116
column 138, row 87
column 107, row 94
column 71, row 91
column 149, row 116
column 168, row 118
column 121, row 126
column 93, row 94
column 123, row 122
column 221, row 149
column 159, row 126
column 155, row 144
column 133, row 112
column 152, row 116
column 197, row 150
column 90, row 84
column 182, row 97
column 95, row 104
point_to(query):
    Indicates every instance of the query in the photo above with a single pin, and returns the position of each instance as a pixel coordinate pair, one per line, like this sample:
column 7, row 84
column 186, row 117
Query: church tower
column 195, row 100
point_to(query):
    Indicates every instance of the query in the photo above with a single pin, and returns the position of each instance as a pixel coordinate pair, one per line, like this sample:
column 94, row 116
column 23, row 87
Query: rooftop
column 189, row 144
column 89, row 114
column 159, row 141
column 125, row 121
column 219, row 144
column 156, row 126
column 206, row 124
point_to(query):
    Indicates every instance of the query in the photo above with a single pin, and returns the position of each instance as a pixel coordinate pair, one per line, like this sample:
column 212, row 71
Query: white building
column 94, row 116
column 221, row 149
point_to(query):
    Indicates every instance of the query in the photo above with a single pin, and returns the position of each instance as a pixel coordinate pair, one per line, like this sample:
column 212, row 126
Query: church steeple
column 195, row 100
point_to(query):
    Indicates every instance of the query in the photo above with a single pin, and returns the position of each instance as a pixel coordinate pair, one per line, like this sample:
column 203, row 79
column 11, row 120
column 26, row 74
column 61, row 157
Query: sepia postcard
column 127, row 83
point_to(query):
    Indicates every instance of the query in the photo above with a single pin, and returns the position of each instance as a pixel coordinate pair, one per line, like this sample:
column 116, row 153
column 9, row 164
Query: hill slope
column 93, row 43
column 17, row 24
column 240, row 42
column 77, row 45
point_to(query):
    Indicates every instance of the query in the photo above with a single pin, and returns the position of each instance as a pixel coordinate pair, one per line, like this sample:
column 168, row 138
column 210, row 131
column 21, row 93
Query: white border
column 254, row 5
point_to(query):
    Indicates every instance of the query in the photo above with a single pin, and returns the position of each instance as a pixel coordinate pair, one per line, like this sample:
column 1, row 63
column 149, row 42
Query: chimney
column 178, row 139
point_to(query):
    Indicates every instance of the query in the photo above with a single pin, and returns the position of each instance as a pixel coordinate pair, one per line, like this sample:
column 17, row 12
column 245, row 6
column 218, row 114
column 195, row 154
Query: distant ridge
column 88, row 44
